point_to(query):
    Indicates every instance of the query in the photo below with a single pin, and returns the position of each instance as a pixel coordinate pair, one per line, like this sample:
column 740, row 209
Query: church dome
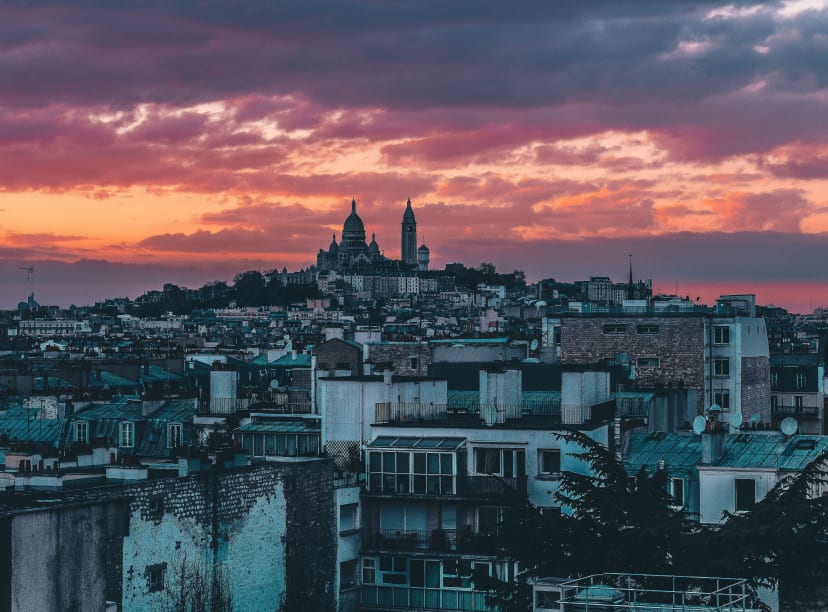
column 334, row 248
column 353, row 228
column 373, row 248
column 423, row 249
column 408, row 215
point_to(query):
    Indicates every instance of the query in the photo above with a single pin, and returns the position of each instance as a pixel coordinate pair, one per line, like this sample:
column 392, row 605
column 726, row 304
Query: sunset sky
column 172, row 141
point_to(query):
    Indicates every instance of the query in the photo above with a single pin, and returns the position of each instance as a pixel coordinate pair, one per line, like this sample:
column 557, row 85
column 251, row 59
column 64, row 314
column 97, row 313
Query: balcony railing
column 223, row 406
column 376, row 597
column 463, row 541
column 447, row 485
column 497, row 413
column 810, row 411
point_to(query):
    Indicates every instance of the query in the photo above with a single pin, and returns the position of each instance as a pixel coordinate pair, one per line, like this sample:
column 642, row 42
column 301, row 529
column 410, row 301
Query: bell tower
column 408, row 250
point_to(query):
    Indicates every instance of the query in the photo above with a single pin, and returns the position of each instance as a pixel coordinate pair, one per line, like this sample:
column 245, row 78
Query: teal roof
column 159, row 374
column 471, row 341
column 418, row 443
column 302, row 361
column 529, row 399
column 681, row 452
column 280, row 427
column 110, row 379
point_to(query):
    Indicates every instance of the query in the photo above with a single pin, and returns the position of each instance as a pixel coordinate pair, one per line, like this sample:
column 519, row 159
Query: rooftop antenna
column 29, row 276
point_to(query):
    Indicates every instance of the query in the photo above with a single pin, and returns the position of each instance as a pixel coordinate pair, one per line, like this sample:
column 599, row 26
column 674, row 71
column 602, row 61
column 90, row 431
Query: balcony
column 376, row 597
column 495, row 413
column 222, row 406
column 796, row 411
column 462, row 541
column 446, row 486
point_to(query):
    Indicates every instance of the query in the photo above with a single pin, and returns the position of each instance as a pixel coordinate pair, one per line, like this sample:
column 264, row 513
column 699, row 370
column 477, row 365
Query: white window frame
column 126, row 434
column 721, row 335
column 542, row 469
column 719, row 398
column 175, row 441
column 351, row 512
column 82, row 426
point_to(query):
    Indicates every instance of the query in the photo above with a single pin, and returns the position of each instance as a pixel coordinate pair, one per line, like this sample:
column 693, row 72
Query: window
column 721, row 367
column 722, row 398
column 774, row 401
column 774, row 378
column 745, row 494
column 127, row 439
column 721, row 334
column 504, row 462
column 394, row 570
column 156, row 507
column 369, row 572
column 348, row 517
column 174, row 435
column 155, row 577
column 348, row 574
column 798, row 402
column 647, row 329
column 490, row 519
column 615, row 329
column 413, row 363
column 549, row 461
column 800, row 380
column 677, row 491
column 648, row 362
column 82, row 432
column 457, row 574
column 424, row 573
column 403, row 472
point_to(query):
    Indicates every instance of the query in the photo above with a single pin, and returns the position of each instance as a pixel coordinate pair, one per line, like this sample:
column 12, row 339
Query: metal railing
column 415, row 412
column 376, row 597
column 222, row 406
column 437, row 540
column 447, row 485
column 796, row 410
column 655, row 593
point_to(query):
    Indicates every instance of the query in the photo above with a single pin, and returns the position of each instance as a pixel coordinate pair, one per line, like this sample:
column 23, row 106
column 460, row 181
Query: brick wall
column 678, row 344
column 756, row 391
column 399, row 355
column 331, row 355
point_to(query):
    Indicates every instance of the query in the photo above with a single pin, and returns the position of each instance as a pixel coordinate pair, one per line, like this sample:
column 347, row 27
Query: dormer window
column 127, row 435
column 82, row 432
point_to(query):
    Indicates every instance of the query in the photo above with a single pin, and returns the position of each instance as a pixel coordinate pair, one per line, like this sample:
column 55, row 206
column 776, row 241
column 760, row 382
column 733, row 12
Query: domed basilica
column 353, row 252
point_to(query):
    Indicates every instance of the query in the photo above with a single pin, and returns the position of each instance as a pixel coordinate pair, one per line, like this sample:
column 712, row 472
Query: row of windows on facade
column 721, row 333
column 422, row 573
column 745, row 493
column 800, row 379
column 434, row 473
column 126, row 434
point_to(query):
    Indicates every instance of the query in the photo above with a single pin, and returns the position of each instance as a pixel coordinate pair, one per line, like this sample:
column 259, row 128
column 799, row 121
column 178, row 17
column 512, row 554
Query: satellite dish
column 755, row 418
column 534, row 345
column 715, row 408
column 736, row 419
column 789, row 426
column 274, row 384
column 699, row 425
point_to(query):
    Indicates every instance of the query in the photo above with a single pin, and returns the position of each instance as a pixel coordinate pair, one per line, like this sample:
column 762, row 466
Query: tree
column 782, row 541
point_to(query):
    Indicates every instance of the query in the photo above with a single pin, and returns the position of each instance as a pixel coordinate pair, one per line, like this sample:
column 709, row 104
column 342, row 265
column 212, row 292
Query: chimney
column 713, row 443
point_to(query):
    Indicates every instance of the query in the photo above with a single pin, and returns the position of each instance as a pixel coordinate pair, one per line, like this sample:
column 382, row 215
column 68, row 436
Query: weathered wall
column 237, row 529
column 756, row 391
column 60, row 557
column 399, row 354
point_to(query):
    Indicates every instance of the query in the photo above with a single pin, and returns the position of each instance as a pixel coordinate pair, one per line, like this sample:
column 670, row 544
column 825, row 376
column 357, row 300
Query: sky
column 172, row 141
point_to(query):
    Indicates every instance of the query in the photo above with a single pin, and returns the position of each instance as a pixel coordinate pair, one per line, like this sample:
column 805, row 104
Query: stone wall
column 338, row 355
